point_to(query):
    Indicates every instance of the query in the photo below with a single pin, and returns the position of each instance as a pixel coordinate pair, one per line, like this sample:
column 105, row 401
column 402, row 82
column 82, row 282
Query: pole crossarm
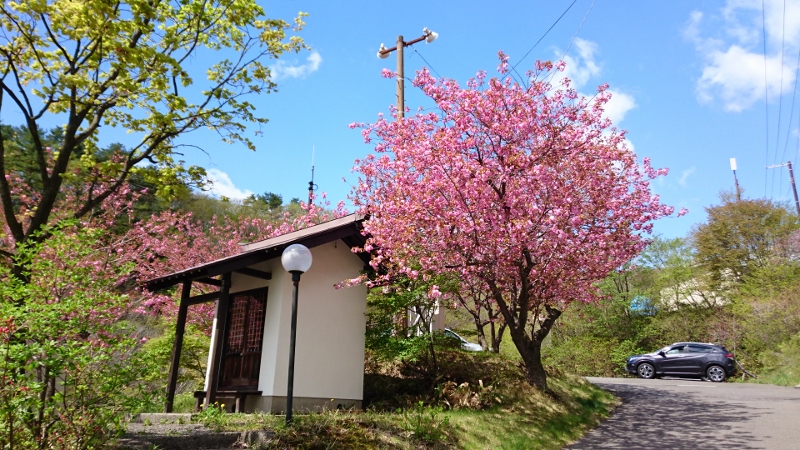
column 386, row 51
column 791, row 178
column 383, row 52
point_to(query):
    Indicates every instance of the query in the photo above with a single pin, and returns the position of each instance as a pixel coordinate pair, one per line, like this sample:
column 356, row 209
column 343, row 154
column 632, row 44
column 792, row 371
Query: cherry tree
column 171, row 241
column 526, row 191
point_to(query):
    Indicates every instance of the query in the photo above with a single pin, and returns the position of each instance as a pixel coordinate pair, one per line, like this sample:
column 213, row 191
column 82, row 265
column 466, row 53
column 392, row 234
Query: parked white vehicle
column 465, row 344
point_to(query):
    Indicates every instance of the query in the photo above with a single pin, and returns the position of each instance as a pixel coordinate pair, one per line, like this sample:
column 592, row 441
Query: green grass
column 787, row 374
column 782, row 366
column 476, row 401
column 534, row 419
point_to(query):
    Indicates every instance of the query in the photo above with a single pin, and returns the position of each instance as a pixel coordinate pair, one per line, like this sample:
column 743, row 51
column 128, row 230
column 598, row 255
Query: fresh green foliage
column 192, row 367
column 213, row 416
column 90, row 64
column 388, row 334
column 739, row 237
column 782, row 365
column 69, row 369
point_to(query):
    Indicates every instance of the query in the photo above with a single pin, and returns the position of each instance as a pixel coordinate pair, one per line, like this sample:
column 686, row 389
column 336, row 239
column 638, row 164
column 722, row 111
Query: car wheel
column 646, row 370
column 716, row 374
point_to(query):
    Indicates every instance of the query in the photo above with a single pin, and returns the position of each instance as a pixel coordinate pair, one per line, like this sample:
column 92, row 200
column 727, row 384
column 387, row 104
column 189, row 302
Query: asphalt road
column 691, row 414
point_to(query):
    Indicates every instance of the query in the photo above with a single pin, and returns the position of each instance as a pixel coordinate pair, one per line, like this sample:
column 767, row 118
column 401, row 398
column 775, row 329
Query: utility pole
column 794, row 187
column 428, row 36
column 736, row 180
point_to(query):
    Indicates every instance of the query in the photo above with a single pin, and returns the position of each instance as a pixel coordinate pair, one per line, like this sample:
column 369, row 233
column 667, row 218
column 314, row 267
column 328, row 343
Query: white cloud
column 618, row 106
column 220, row 185
column 731, row 44
column 736, row 76
column 581, row 68
column 685, row 175
column 285, row 70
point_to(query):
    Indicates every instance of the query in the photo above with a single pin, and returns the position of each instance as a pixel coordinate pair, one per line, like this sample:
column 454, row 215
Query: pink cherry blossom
column 526, row 192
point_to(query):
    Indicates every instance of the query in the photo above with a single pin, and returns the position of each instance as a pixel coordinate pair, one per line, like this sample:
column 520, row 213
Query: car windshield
column 453, row 335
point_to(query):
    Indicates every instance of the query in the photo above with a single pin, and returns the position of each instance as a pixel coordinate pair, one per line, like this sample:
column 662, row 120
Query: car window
column 675, row 351
column 698, row 349
column 452, row 335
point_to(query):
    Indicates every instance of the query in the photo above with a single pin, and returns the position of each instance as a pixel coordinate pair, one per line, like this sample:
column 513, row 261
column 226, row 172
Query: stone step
column 160, row 418
column 193, row 440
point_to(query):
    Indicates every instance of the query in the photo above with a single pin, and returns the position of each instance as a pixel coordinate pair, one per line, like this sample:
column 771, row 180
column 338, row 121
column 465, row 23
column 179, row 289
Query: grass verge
column 475, row 401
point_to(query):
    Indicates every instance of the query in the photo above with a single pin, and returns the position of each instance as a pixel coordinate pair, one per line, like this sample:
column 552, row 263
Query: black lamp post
column 296, row 259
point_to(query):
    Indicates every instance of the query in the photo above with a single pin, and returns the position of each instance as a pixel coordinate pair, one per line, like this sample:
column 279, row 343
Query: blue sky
column 688, row 77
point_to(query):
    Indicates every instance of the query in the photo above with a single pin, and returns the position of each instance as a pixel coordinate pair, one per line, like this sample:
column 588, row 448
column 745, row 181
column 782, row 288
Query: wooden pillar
column 180, row 327
column 219, row 339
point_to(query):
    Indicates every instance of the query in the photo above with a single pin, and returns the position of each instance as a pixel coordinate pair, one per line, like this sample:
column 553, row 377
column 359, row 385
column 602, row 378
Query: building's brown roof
column 347, row 228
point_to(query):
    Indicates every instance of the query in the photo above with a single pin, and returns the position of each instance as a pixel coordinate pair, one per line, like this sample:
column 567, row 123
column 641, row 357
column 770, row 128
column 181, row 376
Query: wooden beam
column 174, row 364
column 203, row 298
column 255, row 273
column 210, row 281
column 219, row 338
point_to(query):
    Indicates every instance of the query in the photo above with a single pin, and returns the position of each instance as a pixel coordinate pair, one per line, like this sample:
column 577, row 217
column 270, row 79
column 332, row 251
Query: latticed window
column 255, row 322
column 238, row 316
column 244, row 338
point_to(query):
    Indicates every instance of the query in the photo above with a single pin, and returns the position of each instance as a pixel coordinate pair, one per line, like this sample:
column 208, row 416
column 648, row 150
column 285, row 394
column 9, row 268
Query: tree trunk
column 497, row 335
column 535, row 374
column 530, row 347
column 481, row 334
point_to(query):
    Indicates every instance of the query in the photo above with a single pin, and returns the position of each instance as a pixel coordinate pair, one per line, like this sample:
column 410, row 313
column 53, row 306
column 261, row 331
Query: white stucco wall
column 329, row 353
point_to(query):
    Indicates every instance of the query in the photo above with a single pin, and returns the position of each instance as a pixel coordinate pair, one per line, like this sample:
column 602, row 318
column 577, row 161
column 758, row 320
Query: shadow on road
column 650, row 418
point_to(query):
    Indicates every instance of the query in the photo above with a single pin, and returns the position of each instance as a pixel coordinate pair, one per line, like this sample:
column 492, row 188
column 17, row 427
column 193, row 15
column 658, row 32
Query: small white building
column 248, row 359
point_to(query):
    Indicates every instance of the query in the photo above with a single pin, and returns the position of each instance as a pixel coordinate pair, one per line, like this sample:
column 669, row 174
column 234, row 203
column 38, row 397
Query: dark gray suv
column 685, row 359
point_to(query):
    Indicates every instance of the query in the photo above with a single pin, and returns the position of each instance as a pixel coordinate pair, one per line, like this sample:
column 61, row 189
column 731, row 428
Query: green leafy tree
column 594, row 339
column 94, row 63
column 267, row 199
column 69, row 370
column 390, row 335
column 740, row 237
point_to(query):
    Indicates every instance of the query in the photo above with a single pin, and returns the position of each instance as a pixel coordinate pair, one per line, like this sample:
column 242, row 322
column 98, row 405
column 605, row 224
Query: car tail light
column 729, row 355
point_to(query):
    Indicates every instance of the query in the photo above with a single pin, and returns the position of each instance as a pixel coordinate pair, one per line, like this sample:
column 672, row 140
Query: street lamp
column 428, row 36
column 296, row 259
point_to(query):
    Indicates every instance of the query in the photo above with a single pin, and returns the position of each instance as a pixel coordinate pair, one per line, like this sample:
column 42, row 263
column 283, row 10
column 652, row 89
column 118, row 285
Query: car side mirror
column 661, row 353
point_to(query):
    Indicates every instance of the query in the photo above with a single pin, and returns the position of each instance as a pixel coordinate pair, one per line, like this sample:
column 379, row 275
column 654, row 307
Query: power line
column 766, row 93
column 574, row 36
column 578, row 30
column 514, row 67
column 780, row 102
column 780, row 89
column 426, row 62
column 791, row 111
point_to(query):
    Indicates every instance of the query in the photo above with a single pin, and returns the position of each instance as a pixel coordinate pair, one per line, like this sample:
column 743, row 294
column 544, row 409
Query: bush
column 70, row 371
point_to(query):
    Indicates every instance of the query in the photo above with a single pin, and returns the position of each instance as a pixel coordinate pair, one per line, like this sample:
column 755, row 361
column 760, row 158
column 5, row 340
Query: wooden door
column 241, row 357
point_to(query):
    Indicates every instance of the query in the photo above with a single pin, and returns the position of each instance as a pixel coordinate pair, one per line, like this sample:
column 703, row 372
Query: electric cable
column 426, row 62
column 780, row 96
column 766, row 95
column 791, row 111
column 514, row 67
column 780, row 89
column 574, row 36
